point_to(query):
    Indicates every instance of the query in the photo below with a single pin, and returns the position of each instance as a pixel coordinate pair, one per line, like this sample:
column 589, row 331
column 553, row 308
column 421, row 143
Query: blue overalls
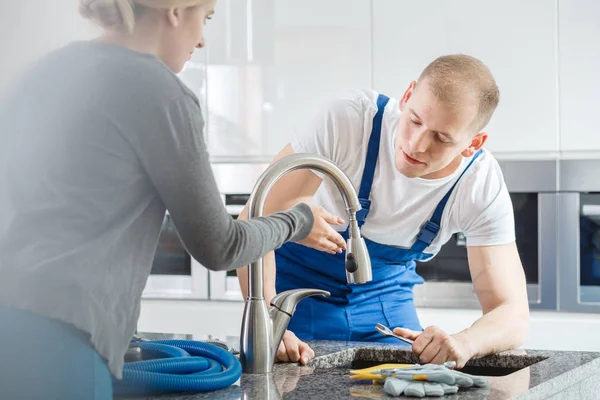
column 351, row 312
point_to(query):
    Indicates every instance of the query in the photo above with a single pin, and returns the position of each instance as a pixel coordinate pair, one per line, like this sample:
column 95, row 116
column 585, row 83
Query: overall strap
column 431, row 228
column 371, row 162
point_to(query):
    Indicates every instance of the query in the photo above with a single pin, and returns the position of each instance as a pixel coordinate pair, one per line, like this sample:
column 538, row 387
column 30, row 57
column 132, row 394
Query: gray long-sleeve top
column 97, row 141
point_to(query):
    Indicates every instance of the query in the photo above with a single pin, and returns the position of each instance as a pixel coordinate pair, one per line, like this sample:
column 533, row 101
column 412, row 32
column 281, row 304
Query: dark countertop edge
column 563, row 380
column 558, row 370
column 555, row 372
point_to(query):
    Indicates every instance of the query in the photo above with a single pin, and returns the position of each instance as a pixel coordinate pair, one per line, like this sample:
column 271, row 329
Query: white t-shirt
column 479, row 207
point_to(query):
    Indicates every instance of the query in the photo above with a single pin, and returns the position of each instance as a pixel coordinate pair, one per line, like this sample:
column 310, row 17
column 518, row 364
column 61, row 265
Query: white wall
column 31, row 28
column 515, row 39
column 579, row 81
column 544, row 54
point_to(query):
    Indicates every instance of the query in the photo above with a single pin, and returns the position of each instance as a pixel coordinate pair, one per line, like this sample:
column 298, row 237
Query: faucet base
column 256, row 354
column 262, row 330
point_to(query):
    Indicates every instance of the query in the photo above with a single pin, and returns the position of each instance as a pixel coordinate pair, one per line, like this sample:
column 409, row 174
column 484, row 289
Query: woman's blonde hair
column 120, row 14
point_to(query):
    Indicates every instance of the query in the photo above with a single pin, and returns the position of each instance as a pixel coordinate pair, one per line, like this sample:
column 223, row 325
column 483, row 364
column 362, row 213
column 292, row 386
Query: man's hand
column 292, row 349
column 434, row 346
column 323, row 237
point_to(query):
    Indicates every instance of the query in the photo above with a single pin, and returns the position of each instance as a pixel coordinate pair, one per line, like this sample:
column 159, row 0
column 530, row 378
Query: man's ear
column 407, row 94
column 476, row 144
column 173, row 17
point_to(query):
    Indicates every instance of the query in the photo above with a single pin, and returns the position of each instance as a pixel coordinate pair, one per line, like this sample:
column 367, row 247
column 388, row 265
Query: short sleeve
column 337, row 132
column 486, row 211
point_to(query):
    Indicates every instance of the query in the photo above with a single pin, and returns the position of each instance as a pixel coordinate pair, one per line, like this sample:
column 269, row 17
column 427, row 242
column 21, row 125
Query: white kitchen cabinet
column 515, row 39
column 272, row 64
column 579, row 79
column 32, row 28
column 548, row 330
column 219, row 319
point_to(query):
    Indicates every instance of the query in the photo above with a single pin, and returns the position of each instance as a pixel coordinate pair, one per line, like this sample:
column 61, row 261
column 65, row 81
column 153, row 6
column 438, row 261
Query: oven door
column 579, row 236
column 224, row 285
column 174, row 273
column 236, row 182
column 532, row 186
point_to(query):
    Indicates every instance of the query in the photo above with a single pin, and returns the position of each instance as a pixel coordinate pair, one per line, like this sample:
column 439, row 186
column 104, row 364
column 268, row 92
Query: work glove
column 428, row 380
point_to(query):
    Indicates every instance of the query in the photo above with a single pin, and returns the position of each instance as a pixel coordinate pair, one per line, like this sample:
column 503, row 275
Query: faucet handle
column 287, row 301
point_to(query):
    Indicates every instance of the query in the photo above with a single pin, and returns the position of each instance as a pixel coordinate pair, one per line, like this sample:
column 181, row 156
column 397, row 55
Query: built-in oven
column 579, row 236
column 533, row 191
column 235, row 182
column 174, row 273
column 224, row 285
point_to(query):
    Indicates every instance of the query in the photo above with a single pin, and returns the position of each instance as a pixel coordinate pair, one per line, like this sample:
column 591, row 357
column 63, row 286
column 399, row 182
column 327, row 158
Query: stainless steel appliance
column 557, row 221
column 174, row 273
column 579, row 235
column 533, row 188
column 533, row 185
column 224, row 285
column 235, row 182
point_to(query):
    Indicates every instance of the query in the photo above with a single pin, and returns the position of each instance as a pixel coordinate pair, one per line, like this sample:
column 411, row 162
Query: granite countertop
column 523, row 374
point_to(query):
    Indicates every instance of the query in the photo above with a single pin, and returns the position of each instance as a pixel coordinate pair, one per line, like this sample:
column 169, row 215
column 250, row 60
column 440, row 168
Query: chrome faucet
column 262, row 330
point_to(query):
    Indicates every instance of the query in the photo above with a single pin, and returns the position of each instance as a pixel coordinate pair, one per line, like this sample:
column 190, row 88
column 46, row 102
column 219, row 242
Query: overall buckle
column 428, row 232
column 365, row 205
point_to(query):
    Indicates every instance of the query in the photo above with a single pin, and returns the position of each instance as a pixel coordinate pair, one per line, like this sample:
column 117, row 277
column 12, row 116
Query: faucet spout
column 284, row 306
column 262, row 330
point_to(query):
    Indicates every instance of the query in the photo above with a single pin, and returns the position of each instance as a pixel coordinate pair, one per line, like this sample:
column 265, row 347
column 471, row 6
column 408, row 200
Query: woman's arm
column 175, row 158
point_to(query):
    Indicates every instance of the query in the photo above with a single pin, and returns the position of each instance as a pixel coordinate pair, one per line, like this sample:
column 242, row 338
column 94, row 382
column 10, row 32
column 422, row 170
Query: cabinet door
column 515, row 39
column 32, row 28
column 271, row 65
column 579, row 66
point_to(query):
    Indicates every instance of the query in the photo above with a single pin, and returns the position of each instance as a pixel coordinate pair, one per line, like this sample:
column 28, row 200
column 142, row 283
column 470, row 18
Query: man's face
column 431, row 135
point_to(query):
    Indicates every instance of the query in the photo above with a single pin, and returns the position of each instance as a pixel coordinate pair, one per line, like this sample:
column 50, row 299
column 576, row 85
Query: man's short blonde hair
column 457, row 78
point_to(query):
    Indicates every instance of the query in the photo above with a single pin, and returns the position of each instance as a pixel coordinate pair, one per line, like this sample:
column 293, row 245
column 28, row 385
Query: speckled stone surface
column 537, row 375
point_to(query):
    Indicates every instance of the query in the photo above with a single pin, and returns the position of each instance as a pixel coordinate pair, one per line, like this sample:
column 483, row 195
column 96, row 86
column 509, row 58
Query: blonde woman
column 98, row 139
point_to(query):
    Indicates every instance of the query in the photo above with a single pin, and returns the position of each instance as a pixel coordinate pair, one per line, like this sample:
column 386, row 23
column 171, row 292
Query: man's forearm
column 503, row 328
column 499, row 281
column 242, row 274
column 268, row 271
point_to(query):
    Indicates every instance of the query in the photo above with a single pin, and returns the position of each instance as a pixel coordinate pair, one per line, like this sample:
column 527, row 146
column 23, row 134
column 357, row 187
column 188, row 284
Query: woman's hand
column 322, row 236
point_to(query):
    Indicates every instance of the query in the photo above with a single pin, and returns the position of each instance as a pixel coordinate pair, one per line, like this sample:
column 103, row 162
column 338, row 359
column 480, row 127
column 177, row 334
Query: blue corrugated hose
column 178, row 366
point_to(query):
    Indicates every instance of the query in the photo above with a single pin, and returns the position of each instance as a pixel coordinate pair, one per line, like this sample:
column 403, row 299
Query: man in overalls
column 422, row 175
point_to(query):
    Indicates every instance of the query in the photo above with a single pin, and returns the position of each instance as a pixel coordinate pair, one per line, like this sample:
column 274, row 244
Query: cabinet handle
column 590, row 210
